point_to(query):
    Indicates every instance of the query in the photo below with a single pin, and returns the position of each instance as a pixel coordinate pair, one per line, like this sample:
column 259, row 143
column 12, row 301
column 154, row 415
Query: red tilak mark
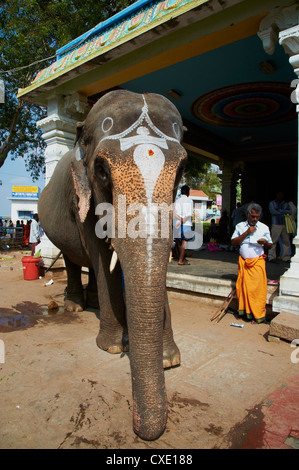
column 151, row 152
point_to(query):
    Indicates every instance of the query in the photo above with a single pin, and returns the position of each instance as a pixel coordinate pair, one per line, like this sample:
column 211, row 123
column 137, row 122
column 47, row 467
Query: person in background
column 278, row 209
column 223, row 233
column 293, row 230
column 34, row 237
column 212, row 232
column 26, row 233
column 183, row 214
column 253, row 237
column 237, row 216
column 11, row 227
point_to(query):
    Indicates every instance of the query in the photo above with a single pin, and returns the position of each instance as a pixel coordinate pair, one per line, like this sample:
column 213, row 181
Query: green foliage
column 195, row 172
column 212, row 184
column 202, row 175
column 30, row 31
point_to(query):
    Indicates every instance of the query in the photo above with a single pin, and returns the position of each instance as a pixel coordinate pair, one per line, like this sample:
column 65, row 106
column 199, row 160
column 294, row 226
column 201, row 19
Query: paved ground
column 233, row 390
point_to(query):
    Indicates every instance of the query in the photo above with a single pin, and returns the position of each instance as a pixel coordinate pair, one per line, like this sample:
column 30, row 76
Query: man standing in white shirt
column 183, row 214
column 253, row 237
column 34, row 237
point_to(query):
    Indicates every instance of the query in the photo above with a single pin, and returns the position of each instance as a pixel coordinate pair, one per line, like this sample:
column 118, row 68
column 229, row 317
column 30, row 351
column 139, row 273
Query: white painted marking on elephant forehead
column 144, row 116
column 150, row 161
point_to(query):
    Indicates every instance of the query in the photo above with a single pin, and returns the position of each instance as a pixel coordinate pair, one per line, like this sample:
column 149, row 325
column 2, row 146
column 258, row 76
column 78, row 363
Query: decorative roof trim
column 113, row 35
column 103, row 26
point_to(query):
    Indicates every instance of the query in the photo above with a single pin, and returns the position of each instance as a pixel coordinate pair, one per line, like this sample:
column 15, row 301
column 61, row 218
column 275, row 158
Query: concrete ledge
column 286, row 303
column 285, row 326
column 212, row 287
column 198, row 284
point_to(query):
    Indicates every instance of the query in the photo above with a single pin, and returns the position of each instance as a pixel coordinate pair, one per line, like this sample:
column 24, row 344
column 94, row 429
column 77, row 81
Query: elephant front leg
column 113, row 336
column 91, row 291
column 74, row 296
column 171, row 353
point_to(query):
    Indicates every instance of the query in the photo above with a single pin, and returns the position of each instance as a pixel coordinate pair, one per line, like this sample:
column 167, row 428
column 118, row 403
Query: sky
column 14, row 173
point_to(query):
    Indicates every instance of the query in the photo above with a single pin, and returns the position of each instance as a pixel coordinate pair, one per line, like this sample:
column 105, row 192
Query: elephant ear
column 80, row 178
column 82, row 188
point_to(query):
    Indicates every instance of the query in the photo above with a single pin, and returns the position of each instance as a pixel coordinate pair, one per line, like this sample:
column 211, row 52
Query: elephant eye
column 101, row 172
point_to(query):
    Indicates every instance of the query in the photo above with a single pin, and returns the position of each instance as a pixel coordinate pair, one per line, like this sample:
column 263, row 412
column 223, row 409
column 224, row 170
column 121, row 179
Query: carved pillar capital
column 59, row 127
column 59, row 133
column 289, row 39
column 279, row 19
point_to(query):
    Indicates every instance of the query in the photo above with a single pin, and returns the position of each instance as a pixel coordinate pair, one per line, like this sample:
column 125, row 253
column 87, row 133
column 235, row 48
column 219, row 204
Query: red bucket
column 30, row 267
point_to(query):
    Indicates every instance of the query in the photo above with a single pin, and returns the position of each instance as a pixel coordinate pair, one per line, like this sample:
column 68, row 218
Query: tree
column 30, row 32
column 202, row 175
column 195, row 171
column 212, row 183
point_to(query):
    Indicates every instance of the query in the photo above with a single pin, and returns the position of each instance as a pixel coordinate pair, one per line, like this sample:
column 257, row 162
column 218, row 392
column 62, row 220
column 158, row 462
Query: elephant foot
column 74, row 304
column 113, row 344
column 171, row 355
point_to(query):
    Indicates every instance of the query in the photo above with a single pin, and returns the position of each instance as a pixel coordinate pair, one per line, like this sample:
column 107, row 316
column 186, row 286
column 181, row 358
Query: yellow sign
column 25, row 189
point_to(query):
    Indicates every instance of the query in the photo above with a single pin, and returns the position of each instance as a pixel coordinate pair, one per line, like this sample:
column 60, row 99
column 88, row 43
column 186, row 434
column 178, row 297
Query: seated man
column 253, row 237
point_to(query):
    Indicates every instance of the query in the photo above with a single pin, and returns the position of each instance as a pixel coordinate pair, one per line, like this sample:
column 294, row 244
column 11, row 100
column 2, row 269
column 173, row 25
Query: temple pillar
column 59, row 133
column 281, row 25
column 227, row 179
column 288, row 299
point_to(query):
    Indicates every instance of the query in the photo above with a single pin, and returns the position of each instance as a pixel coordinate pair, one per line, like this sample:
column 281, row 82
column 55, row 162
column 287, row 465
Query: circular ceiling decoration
column 246, row 105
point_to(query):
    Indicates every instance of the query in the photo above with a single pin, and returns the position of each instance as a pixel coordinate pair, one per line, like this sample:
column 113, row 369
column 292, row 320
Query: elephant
column 127, row 152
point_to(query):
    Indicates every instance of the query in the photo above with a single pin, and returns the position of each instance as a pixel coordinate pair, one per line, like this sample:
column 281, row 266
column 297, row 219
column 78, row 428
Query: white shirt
column 249, row 247
column 34, row 232
column 184, row 208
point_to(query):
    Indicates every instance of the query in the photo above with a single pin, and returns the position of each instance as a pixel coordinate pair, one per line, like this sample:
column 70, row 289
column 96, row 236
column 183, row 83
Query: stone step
column 215, row 287
column 285, row 326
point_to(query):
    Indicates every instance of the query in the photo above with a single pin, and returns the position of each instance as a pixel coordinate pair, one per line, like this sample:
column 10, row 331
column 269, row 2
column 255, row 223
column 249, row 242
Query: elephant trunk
column 145, row 303
column 145, row 326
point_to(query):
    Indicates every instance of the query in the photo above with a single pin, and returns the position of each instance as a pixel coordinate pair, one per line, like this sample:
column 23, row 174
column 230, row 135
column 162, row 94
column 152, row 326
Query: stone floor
column 233, row 390
column 222, row 264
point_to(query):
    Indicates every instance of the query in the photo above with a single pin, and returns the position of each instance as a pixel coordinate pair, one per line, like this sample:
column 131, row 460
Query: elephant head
column 128, row 153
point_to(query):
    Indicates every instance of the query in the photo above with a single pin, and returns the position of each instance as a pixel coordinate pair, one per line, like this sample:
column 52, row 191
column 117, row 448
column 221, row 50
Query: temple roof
column 210, row 57
column 86, row 51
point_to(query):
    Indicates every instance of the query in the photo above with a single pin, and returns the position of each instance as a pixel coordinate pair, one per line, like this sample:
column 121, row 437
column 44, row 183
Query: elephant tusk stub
column 113, row 261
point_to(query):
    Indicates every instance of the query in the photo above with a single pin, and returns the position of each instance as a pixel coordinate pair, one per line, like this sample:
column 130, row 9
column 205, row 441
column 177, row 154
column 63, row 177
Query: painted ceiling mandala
column 246, row 105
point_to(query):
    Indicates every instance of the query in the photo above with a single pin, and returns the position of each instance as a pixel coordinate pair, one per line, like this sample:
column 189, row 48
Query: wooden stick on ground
column 225, row 309
column 224, row 305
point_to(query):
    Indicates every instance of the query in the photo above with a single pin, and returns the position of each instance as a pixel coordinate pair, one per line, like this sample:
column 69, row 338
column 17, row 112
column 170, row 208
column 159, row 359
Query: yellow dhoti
column 251, row 288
